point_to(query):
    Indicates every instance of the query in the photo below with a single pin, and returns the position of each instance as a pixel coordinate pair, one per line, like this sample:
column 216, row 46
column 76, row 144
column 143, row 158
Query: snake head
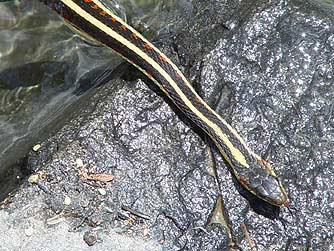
column 267, row 185
column 261, row 181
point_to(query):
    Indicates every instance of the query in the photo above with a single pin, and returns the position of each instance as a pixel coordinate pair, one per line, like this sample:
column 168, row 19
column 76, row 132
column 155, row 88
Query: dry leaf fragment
column 104, row 177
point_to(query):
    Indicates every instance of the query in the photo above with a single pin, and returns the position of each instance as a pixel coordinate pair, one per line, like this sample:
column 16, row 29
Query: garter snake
column 95, row 19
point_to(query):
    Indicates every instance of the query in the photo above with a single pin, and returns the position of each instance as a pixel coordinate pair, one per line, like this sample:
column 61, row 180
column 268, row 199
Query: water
column 46, row 66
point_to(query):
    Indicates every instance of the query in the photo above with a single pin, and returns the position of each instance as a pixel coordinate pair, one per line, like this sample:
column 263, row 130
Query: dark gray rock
column 270, row 74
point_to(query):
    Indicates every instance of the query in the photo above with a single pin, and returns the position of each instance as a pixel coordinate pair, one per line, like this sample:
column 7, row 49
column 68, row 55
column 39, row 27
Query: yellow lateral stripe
column 102, row 6
column 239, row 157
column 185, row 80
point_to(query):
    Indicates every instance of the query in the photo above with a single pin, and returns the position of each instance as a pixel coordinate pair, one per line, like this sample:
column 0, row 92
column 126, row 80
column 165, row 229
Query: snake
column 95, row 19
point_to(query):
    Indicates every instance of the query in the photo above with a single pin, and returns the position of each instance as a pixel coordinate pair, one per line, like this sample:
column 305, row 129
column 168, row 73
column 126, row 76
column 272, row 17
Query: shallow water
column 45, row 64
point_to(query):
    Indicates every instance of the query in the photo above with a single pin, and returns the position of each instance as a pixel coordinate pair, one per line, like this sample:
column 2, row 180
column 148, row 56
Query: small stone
column 29, row 231
column 33, row 178
column 102, row 191
column 36, row 147
column 67, row 200
column 90, row 237
column 145, row 232
column 79, row 162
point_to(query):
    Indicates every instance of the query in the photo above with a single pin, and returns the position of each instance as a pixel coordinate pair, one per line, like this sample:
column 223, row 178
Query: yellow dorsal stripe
column 238, row 156
column 185, row 80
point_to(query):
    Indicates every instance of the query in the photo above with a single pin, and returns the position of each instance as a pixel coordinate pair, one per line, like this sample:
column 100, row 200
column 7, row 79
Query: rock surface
column 270, row 74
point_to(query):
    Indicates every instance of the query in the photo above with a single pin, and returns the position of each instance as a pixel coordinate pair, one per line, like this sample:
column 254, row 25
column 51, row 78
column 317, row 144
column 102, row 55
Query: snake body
column 95, row 19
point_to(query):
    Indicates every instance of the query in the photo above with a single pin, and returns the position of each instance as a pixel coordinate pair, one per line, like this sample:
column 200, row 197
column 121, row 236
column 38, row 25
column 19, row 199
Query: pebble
column 67, row 200
column 36, row 147
column 33, row 178
column 79, row 162
column 90, row 237
column 29, row 231
column 102, row 191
